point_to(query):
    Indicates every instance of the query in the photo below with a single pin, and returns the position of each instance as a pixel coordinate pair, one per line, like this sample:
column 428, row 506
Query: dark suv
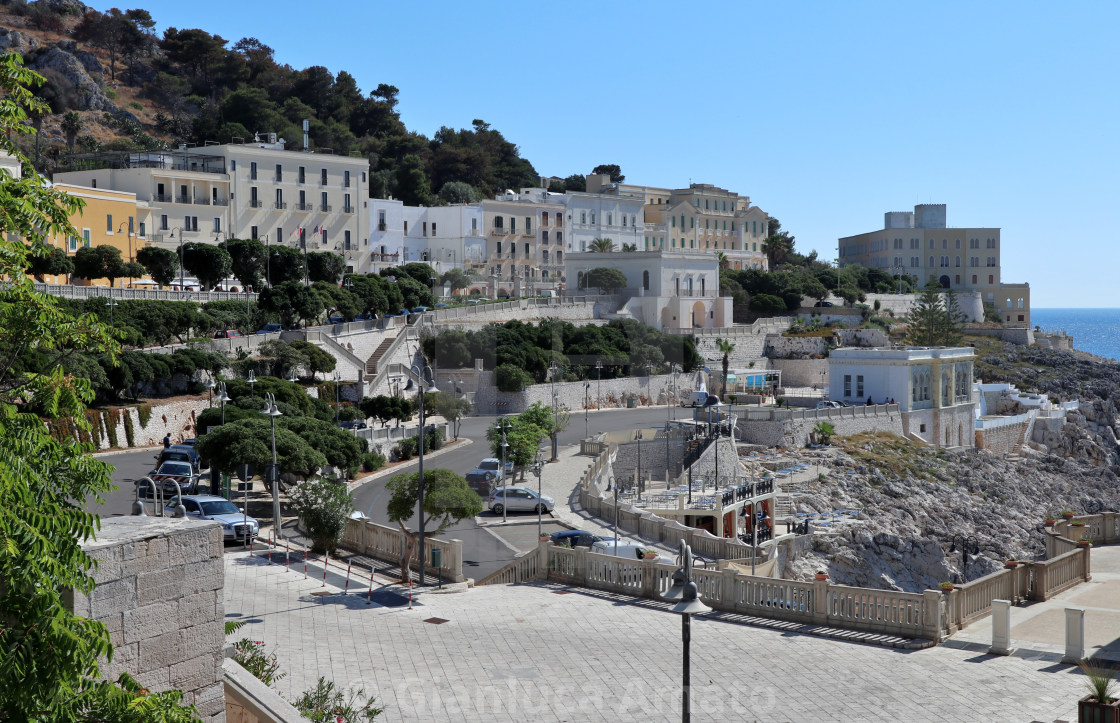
column 575, row 538
column 481, row 481
column 179, row 453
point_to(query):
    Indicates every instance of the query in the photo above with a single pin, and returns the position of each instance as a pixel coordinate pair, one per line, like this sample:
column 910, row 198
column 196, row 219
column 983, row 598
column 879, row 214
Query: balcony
column 280, row 205
column 202, row 201
column 305, row 207
column 325, row 208
column 348, row 209
column 186, row 200
column 499, row 231
column 277, row 178
column 164, row 198
column 219, row 202
column 381, row 227
column 256, row 204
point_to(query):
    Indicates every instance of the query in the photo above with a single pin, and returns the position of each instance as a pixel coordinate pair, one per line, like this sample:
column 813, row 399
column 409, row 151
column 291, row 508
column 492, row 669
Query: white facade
column 596, row 215
column 666, row 290
column 445, row 237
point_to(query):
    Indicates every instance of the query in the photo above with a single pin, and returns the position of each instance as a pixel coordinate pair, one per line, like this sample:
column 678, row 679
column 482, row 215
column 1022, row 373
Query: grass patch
column 886, row 451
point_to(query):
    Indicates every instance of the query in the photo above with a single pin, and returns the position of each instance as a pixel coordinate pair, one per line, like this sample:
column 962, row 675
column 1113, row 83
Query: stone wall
column 862, row 337
column 793, row 430
column 801, row 372
column 608, row 393
column 1020, row 336
column 159, row 593
column 120, row 428
column 749, row 346
column 1002, row 439
column 796, row 347
column 948, row 427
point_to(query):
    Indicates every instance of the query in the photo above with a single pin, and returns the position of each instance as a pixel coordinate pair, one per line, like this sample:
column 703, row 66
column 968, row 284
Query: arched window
column 645, row 280
column 1020, row 302
column 946, row 388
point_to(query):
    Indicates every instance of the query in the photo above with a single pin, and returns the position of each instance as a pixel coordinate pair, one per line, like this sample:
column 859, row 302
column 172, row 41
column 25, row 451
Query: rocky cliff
column 914, row 499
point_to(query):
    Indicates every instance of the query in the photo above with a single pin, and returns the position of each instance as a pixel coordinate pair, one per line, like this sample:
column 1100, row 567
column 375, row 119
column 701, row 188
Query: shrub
column 324, row 507
column 325, row 702
column 767, row 303
column 511, row 378
column 372, row 461
column 251, row 656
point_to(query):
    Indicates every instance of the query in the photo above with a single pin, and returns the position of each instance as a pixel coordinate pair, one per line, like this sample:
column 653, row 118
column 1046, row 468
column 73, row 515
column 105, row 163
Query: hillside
column 125, row 88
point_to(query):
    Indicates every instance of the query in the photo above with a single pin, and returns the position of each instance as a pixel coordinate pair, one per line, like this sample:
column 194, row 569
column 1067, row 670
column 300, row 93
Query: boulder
column 89, row 92
column 16, row 42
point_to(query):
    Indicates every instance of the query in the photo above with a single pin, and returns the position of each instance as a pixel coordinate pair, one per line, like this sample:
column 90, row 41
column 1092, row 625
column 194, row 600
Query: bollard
column 326, row 564
column 1001, row 627
column 287, row 554
column 305, row 564
column 270, row 547
column 346, row 589
column 369, row 598
column 410, row 591
column 1075, row 636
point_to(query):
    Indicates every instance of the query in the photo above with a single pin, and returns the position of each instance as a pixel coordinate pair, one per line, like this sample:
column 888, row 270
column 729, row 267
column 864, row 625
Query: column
column 1075, row 636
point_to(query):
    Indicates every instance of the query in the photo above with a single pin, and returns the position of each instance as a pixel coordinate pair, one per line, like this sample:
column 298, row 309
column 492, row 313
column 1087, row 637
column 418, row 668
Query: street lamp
column 586, row 406
column 274, row 472
column 553, row 368
column 420, row 446
column 172, row 235
column 599, row 386
column 223, row 398
column 503, row 424
column 537, row 468
column 612, row 486
column 968, row 545
column 757, row 519
column 638, row 437
column 210, row 389
column 111, row 304
column 337, row 403
column 252, row 379
column 687, row 597
column 130, row 259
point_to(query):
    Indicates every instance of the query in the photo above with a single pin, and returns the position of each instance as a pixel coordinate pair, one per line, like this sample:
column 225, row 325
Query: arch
column 665, row 317
column 1020, row 302
column 944, row 281
column 946, row 388
column 948, row 441
column 698, row 314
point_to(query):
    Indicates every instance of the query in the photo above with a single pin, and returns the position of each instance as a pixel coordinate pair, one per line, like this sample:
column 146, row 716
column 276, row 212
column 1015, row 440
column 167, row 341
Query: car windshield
column 219, row 507
column 175, row 468
column 485, row 464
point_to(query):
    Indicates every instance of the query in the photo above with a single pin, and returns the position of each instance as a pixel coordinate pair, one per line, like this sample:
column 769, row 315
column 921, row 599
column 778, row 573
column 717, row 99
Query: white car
column 519, row 499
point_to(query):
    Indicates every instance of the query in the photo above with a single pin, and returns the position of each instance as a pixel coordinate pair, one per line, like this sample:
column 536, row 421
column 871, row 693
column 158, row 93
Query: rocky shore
column 915, row 499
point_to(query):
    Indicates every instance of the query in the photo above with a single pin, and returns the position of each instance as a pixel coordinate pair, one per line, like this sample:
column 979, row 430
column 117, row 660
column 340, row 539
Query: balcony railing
column 164, row 198
column 499, row 231
column 305, row 207
column 256, row 204
column 381, row 227
column 325, row 208
column 277, row 178
column 219, row 202
column 348, row 209
column 280, row 205
column 183, row 199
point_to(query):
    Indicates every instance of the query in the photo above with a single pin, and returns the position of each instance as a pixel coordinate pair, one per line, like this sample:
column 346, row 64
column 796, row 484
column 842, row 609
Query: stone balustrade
column 385, row 543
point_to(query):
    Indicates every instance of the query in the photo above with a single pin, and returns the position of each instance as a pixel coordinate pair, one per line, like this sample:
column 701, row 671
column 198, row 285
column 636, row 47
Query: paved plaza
column 544, row 652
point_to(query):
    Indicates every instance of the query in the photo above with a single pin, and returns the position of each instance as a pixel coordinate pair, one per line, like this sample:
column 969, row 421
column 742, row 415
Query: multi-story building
column 591, row 216
column 444, row 236
column 921, row 244
column 524, row 242
column 315, row 201
column 109, row 218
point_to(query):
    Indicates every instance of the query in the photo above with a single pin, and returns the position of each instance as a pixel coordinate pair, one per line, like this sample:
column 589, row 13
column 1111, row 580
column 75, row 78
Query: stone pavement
column 525, row 652
column 1038, row 629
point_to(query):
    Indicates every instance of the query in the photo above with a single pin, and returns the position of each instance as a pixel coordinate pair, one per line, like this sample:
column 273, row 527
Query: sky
column 825, row 114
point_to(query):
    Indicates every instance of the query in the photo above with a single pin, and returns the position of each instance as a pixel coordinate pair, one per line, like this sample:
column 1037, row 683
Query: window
column 956, row 243
column 702, row 285
column 424, row 228
column 474, row 224
column 957, row 261
column 610, row 219
column 323, row 177
column 592, row 217
column 233, row 165
column 253, row 232
column 433, row 225
column 406, row 228
column 190, row 223
column 974, row 278
column 498, row 222
column 280, row 198
column 583, row 216
column 544, row 237
column 932, row 262
column 677, row 283
column 859, row 385
column 323, row 237
column 109, row 223
column 559, row 257
column 279, row 173
column 692, row 222
column 847, row 385
column 513, row 224
column 279, row 234
column 86, row 237
column 645, row 280
column 217, row 224
column 254, row 202
column 323, row 201
column 528, row 224
column 302, row 175
column 559, row 237
column 163, row 222
column 346, row 179
column 991, row 280
column 346, row 240
column 73, row 243
column 142, row 229
column 349, row 209
column 253, row 171
column 302, row 200
column 624, row 220
column 559, row 219
column 526, row 250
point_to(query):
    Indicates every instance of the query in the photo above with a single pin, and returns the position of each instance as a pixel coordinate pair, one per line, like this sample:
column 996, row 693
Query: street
column 484, row 549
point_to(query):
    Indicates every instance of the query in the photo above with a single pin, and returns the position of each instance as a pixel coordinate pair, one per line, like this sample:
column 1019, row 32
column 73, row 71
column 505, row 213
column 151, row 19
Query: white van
column 629, row 550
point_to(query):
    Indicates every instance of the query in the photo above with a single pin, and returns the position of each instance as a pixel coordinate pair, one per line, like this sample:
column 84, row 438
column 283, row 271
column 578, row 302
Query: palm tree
column 71, row 126
column 724, row 262
column 601, row 245
column 725, row 347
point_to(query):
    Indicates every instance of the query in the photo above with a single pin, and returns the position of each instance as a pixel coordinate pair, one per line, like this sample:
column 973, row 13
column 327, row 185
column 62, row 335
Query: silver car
column 235, row 524
column 519, row 499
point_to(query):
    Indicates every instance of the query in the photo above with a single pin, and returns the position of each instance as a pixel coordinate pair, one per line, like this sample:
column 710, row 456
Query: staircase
column 381, row 350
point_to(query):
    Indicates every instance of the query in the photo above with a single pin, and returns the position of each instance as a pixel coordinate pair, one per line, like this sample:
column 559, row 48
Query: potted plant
column 1076, row 523
column 649, row 554
column 1085, row 543
column 1068, row 514
column 1011, row 563
column 946, row 586
column 545, row 537
column 821, row 575
column 1100, row 705
column 1050, row 521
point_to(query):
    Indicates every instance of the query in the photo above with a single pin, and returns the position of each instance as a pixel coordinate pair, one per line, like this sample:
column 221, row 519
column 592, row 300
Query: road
column 484, row 550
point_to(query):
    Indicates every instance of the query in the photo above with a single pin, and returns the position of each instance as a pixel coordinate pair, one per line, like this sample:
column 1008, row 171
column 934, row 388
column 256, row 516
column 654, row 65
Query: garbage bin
column 631, row 402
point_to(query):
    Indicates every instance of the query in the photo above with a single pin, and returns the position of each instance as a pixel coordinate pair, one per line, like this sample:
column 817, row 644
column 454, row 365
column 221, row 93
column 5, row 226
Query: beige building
column 109, row 218
column 922, row 244
column 519, row 262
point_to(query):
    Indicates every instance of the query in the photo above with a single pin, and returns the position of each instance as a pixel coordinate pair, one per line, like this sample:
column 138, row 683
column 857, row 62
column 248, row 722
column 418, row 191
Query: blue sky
column 825, row 114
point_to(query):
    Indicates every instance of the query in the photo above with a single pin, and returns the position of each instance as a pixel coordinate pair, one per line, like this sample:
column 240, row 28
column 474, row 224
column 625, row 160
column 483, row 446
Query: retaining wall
column 802, row 372
column 791, row 428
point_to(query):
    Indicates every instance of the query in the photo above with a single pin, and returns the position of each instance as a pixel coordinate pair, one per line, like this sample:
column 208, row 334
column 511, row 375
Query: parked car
column 443, row 306
column 481, row 481
column 472, row 302
column 575, row 538
column 178, row 453
column 336, row 320
column 189, row 442
column 419, row 310
column 519, row 499
column 823, row 303
column 495, row 465
column 631, row 550
column 167, row 474
column 227, row 334
column 354, row 424
column 269, row 329
column 829, row 405
column 236, row 525
column 696, row 399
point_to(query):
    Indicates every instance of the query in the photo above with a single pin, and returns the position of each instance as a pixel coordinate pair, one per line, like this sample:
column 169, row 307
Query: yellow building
column 109, row 218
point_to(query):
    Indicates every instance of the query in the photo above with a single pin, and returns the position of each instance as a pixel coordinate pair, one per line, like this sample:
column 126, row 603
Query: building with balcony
column 524, row 242
column 445, row 237
column 666, row 290
column 109, row 218
column 921, row 244
column 621, row 219
column 932, row 386
column 316, row 201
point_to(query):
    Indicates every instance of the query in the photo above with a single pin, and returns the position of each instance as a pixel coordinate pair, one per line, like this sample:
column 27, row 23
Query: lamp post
column 130, row 258
column 586, row 406
column 420, row 446
column 687, row 597
column 223, row 398
column 968, row 545
column 267, row 261
column 503, row 424
column 638, row 437
column 537, row 468
column 553, row 369
column 252, row 379
column 210, row 389
column 274, row 473
column 599, row 386
column 172, row 235
column 111, row 304
column 612, row 486
column 337, row 403
column 757, row 518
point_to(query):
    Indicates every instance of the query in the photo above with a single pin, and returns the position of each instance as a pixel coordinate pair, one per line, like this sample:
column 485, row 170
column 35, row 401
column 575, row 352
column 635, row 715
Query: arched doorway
column 698, row 314
column 944, row 281
column 666, row 318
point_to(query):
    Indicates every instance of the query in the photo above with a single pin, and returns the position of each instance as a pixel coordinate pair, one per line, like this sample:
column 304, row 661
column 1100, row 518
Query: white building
column 596, row 215
column 444, row 236
column 666, row 290
column 932, row 387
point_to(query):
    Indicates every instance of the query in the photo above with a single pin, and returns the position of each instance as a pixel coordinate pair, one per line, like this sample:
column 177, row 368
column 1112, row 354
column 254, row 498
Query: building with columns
column 922, row 244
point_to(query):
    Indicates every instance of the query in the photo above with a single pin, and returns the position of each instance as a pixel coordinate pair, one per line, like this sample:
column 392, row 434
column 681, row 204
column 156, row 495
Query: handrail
column 382, row 373
column 342, row 351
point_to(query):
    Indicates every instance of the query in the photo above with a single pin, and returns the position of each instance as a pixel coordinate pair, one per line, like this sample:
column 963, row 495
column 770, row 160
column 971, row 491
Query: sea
column 1096, row 331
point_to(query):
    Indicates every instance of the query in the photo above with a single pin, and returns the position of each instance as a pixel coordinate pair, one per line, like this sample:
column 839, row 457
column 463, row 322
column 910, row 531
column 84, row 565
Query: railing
column 318, row 336
column 348, row 209
column 768, row 414
column 1103, row 528
column 325, row 208
column 183, row 199
column 86, row 292
column 381, row 227
column 305, row 207
column 256, row 204
column 203, row 201
column 281, row 205
column 523, row 569
column 387, row 435
column 385, row 543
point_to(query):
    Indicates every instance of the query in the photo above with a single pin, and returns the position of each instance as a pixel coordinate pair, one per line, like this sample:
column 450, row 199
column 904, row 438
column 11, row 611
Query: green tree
column 324, row 507
column 285, row 264
column 447, row 500
column 778, row 244
column 450, row 407
column 388, row 408
column 318, row 360
column 248, row 441
column 162, row 264
column 291, row 301
column 49, row 659
column 934, row 319
column 208, row 263
column 601, row 246
column 247, row 259
column 607, row 279
column 53, row 261
column 611, row 169
column 454, row 192
column 511, row 378
column 71, row 127
column 767, row 303
column 325, row 266
column 412, row 182
column 456, row 279
column 98, row 262
column 725, row 348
